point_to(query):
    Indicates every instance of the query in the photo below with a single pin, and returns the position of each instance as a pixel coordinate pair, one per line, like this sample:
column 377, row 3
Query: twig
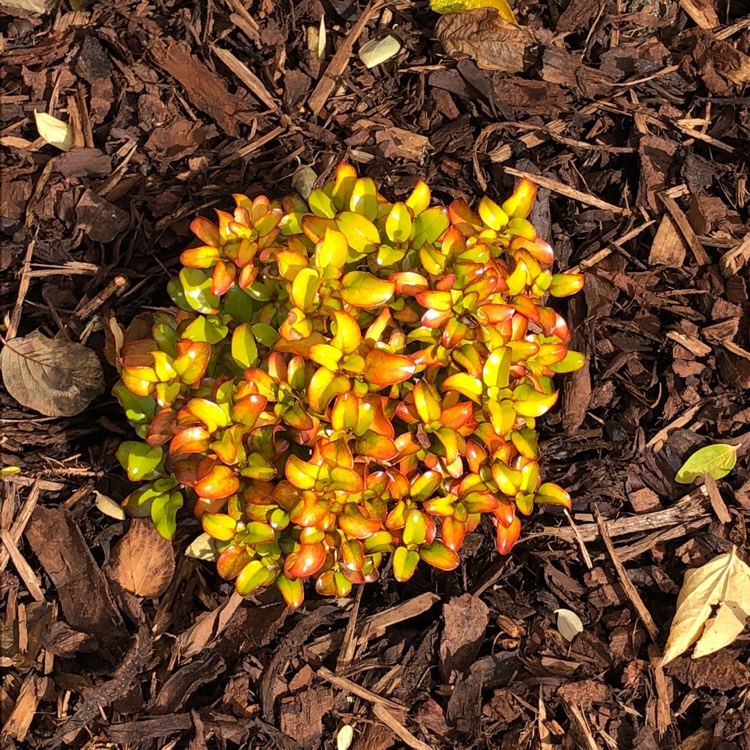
column 346, row 654
column 23, row 288
column 24, row 570
column 399, row 729
column 559, row 187
column 584, row 552
column 686, row 230
column 340, row 60
column 352, row 687
column 627, row 584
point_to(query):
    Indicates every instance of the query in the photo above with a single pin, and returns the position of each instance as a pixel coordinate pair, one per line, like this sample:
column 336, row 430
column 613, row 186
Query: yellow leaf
column 456, row 6
column 55, row 132
column 724, row 581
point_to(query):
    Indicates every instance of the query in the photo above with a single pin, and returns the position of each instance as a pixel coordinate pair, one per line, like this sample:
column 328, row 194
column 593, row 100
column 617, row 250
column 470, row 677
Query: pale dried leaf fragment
column 377, row 51
column 143, row 560
column 568, row 623
column 56, row 132
column 488, row 39
column 722, row 582
column 55, row 377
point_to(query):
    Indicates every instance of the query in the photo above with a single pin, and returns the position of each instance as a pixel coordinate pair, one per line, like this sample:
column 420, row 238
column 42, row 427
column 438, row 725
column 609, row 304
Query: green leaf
column 717, row 460
column 138, row 459
column 164, row 513
column 244, row 348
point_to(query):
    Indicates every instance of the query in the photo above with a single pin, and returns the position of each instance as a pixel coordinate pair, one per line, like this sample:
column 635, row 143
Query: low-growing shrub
column 347, row 378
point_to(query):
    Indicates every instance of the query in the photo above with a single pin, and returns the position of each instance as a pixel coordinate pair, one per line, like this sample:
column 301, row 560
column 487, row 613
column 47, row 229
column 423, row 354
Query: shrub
column 345, row 378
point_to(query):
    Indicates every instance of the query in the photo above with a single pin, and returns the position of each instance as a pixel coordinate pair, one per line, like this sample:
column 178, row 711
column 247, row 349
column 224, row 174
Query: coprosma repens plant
column 348, row 378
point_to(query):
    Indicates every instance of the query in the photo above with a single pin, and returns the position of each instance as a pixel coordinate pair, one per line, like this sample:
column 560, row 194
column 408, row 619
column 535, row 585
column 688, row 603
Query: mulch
column 635, row 117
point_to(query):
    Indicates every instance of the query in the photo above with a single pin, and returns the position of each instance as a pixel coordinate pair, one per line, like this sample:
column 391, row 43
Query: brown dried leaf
column 143, row 561
column 55, row 377
column 489, row 40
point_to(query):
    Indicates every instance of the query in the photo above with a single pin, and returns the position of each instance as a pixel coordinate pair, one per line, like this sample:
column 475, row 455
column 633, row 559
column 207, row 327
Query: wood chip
column 686, row 230
column 668, row 247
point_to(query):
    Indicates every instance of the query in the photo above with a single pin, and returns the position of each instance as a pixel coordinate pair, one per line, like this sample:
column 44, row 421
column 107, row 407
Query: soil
column 634, row 116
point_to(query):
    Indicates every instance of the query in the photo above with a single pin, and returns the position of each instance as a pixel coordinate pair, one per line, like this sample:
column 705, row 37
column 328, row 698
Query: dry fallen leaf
column 481, row 34
column 377, row 51
column 143, row 561
column 568, row 623
column 56, row 132
column 724, row 581
column 55, row 377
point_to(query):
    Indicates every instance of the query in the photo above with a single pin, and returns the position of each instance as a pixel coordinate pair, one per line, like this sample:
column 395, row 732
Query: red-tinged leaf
column 248, row 409
column 309, row 510
column 552, row 354
column 409, row 282
column 384, row 368
column 552, row 494
column 494, row 313
column 456, row 416
column 505, row 512
column 361, row 289
column 553, row 324
column 192, row 360
column 160, row 430
column 433, row 300
column 377, row 447
column 352, row 554
column 521, row 201
column 220, row 482
column 480, row 501
column 223, row 277
column 465, row 384
column 463, row 218
column 137, row 384
column 522, row 350
column 206, row 231
column 435, row 318
column 231, row 561
column 219, row 526
column 508, row 536
column 307, row 561
column 453, row 533
column 325, row 385
column 355, row 524
column 185, row 471
column 193, row 439
column 565, row 284
column 439, row 556
column 405, row 562
column 205, row 256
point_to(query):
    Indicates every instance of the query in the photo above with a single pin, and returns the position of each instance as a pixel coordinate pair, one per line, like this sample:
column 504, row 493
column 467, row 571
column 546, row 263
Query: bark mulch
column 634, row 115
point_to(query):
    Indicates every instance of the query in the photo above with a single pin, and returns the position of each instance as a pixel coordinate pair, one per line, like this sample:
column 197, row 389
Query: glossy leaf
column 362, row 289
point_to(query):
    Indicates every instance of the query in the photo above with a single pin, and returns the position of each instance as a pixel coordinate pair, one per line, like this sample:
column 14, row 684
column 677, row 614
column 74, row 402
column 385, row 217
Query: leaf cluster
column 345, row 378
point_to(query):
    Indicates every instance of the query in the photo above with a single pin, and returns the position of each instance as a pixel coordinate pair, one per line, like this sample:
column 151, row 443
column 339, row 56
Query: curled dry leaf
column 724, row 582
column 143, row 561
column 55, row 377
column 56, row 132
column 484, row 36
column 568, row 623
